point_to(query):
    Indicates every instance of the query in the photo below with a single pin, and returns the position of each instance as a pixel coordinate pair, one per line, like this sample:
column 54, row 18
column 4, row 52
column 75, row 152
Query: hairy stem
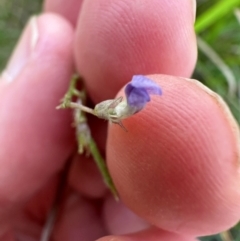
column 84, row 108
column 103, row 168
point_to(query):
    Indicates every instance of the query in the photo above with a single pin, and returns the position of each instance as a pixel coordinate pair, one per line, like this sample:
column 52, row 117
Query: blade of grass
column 215, row 13
column 226, row 236
column 220, row 64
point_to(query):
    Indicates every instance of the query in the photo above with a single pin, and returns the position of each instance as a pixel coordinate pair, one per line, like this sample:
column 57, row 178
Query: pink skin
column 116, row 39
column 176, row 168
column 150, row 235
column 69, row 10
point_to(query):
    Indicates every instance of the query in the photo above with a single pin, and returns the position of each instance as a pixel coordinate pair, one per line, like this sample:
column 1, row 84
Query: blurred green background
column 13, row 17
column 218, row 30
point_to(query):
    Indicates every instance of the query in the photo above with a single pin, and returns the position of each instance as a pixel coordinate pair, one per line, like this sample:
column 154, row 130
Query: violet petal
column 137, row 97
column 139, row 89
column 140, row 81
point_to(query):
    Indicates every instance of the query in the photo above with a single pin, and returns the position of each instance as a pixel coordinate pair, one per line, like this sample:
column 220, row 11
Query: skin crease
column 198, row 162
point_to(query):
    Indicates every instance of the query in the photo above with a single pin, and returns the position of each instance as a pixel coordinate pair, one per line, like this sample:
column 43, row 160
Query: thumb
column 35, row 138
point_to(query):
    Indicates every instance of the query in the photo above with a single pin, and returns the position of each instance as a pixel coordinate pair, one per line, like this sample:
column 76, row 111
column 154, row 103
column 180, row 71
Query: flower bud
column 137, row 93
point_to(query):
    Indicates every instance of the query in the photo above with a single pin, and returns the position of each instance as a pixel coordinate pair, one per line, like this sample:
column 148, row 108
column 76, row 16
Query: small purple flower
column 138, row 91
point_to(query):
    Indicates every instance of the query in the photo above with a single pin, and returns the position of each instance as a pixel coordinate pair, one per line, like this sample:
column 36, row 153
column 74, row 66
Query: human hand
column 176, row 168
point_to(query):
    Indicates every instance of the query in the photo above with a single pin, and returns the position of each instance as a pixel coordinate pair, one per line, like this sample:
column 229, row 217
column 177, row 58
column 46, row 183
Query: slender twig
column 103, row 168
column 83, row 132
column 53, row 213
column 237, row 15
column 72, row 87
column 219, row 63
column 84, row 108
column 226, row 236
column 85, row 141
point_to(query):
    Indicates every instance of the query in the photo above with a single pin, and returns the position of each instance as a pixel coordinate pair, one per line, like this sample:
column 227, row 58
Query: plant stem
column 84, row 108
column 103, row 168
column 85, row 141
column 226, row 236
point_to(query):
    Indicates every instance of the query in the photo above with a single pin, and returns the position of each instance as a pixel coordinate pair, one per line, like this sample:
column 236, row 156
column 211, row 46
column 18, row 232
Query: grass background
column 218, row 30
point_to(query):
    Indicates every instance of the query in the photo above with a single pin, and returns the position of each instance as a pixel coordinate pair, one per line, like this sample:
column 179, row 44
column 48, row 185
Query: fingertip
column 169, row 158
column 57, row 35
column 69, row 10
column 123, row 39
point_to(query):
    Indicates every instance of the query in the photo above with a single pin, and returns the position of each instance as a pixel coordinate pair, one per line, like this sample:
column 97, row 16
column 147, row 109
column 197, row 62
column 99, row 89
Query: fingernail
column 194, row 8
column 22, row 52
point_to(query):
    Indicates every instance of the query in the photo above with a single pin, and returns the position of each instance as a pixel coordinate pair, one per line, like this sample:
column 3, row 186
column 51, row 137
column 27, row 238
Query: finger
column 28, row 222
column 79, row 220
column 37, row 208
column 8, row 237
column 119, row 219
column 117, row 39
column 35, row 138
column 178, row 165
column 85, row 178
column 150, row 235
column 69, row 10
